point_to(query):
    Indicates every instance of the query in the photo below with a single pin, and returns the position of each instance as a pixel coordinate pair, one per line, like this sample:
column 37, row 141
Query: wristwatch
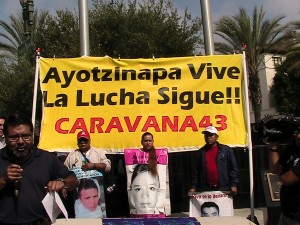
column 62, row 180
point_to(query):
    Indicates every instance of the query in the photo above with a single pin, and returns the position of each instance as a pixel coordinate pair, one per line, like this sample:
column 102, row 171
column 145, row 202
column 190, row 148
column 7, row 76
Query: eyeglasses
column 83, row 140
column 14, row 138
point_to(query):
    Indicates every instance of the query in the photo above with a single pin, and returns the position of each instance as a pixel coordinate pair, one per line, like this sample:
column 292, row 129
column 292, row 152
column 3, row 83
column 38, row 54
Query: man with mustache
column 87, row 157
column 27, row 174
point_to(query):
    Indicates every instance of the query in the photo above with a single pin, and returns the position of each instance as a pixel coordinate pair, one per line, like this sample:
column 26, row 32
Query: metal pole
column 36, row 79
column 30, row 8
column 247, row 116
column 84, row 28
column 24, row 5
column 207, row 27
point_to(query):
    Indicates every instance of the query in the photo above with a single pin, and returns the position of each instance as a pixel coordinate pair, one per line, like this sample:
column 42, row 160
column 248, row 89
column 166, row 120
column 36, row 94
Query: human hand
column 233, row 190
column 13, row 173
column 64, row 193
column 87, row 166
column 192, row 191
column 55, row 185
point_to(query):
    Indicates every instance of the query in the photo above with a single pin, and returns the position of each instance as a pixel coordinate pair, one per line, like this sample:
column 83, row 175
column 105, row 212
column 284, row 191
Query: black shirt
column 290, row 195
column 41, row 168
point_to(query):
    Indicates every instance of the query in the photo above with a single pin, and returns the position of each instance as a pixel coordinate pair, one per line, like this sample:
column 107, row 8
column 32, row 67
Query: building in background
column 266, row 74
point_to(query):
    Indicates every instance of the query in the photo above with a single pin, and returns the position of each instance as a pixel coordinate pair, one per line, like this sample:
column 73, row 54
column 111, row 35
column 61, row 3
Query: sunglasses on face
column 83, row 140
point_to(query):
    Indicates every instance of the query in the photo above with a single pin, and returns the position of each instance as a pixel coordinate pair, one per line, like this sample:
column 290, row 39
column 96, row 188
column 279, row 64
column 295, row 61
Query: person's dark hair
column 152, row 161
column 209, row 205
column 140, row 168
column 2, row 117
column 86, row 184
column 17, row 120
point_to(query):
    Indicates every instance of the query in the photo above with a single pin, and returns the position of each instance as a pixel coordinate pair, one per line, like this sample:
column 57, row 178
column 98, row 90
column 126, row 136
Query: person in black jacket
column 286, row 163
column 27, row 173
column 214, row 166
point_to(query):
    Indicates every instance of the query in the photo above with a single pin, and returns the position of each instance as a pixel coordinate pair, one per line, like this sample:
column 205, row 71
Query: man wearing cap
column 286, row 163
column 214, row 166
column 87, row 157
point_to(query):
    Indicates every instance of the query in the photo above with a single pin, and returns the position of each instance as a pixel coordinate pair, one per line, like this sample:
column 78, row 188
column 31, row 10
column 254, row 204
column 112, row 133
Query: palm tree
column 293, row 56
column 286, row 85
column 17, row 57
column 260, row 35
column 14, row 37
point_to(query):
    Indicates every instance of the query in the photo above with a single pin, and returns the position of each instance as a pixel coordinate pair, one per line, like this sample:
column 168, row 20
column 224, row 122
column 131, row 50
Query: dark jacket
column 227, row 168
column 289, row 194
column 40, row 168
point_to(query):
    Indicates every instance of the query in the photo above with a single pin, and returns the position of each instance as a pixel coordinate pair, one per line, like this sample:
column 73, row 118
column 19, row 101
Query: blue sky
column 289, row 8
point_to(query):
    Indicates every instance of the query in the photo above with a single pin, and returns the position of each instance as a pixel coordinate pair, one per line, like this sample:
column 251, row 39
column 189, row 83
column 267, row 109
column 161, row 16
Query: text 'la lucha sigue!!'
column 187, row 99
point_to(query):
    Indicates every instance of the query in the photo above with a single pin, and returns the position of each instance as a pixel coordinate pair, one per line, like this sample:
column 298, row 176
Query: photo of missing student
column 210, row 209
column 89, row 197
column 210, row 204
column 148, row 194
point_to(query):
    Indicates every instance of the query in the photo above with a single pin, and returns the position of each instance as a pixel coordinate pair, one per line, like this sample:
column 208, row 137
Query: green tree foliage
column 18, row 63
column 260, row 35
column 141, row 30
column 286, row 85
column 14, row 42
column 60, row 36
column 16, row 83
column 12, row 36
column 293, row 56
column 286, row 89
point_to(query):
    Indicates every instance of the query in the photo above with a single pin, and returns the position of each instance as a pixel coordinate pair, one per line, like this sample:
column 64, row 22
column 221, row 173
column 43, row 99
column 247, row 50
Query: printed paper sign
column 148, row 194
column 89, row 198
column 210, row 204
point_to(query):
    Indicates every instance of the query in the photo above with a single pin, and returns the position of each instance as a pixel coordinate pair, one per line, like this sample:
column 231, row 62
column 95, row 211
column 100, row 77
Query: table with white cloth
column 225, row 220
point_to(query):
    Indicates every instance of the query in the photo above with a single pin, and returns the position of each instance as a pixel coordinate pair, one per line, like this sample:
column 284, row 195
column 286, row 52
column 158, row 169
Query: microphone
column 17, row 187
column 111, row 188
column 17, row 183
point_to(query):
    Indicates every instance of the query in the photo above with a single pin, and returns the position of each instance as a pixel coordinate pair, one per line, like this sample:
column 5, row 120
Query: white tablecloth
column 226, row 220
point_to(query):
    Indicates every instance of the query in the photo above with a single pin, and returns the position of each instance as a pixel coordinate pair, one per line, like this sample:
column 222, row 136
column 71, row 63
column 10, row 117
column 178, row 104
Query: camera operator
column 287, row 165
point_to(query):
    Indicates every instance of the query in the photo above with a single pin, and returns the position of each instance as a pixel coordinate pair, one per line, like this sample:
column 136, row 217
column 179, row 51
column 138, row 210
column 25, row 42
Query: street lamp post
column 28, row 9
column 84, row 28
column 25, row 13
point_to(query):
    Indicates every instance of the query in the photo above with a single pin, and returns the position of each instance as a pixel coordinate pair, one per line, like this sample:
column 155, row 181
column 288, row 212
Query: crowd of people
column 27, row 173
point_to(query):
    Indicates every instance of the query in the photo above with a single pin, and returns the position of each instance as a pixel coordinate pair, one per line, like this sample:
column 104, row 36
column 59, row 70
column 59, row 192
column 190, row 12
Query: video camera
column 278, row 128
